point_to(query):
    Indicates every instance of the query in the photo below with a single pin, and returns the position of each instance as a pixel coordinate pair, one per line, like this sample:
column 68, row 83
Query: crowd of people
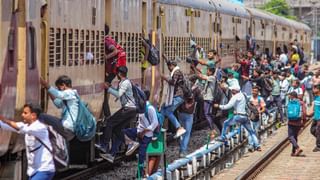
column 256, row 83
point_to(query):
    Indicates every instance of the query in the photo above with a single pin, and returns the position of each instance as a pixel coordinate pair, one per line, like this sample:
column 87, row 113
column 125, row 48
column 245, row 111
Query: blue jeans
column 168, row 111
column 244, row 121
column 255, row 126
column 187, row 121
column 42, row 175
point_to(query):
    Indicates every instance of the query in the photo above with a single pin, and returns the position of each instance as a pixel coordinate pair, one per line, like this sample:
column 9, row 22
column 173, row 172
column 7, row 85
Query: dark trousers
column 56, row 125
column 293, row 132
column 315, row 131
column 116, row 123
column 277, row 100
column 214, row 125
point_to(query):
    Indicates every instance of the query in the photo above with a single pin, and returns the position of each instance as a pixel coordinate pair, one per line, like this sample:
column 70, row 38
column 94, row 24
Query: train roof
column 259, row 14
column 227, row 7
column 197, row 4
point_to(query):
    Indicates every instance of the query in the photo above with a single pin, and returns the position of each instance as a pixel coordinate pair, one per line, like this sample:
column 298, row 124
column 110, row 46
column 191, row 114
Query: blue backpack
column 160, row 118
column 85, row 124
column 294, row 110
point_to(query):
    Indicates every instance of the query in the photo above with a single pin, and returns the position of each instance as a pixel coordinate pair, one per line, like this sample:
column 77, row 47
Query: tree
column 278, row 7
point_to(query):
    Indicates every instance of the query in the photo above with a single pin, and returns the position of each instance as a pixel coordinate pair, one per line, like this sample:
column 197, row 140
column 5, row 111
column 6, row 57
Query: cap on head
column 235, row 87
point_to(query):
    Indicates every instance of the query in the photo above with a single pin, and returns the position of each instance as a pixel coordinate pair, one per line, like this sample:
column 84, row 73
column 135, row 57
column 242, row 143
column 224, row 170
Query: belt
column 240, row 114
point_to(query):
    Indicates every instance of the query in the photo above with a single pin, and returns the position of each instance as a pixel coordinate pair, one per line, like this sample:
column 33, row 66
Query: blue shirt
column 70, row 97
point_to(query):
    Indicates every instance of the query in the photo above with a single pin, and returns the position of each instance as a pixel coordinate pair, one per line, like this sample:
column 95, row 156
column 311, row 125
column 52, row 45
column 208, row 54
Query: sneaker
column 251, row 149
column 131, row 148
column 316, row 149
column 298, row 152
column 183, row 154
column 180, row 132
column 293, row 154
column 107, row 157
column 258, row 149
column 101, row 147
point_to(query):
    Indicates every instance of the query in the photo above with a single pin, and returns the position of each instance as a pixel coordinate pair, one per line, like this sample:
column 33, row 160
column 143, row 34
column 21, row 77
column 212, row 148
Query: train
column 49, row 38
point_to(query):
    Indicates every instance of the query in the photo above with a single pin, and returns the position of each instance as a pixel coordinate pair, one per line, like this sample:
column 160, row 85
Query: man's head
column 30, row 113
column 316, row 89
column 122, row 72
column 255, row 91
column 211, row 54
column 147, row 93
column 250, row 54
column 257, row 72
column 293, row 95
column 295, row 83
column 171, row 64
column 210, row 71
column 63, row 82
column 235, row 88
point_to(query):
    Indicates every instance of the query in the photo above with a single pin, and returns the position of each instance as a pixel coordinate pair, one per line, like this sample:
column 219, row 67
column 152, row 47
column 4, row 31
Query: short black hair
column 213, row 51
column 122, row 70
column 64, row 80
column 293, row 94
column 256, row 87
column 147, row 93
column 34, row 108
column 172, row 62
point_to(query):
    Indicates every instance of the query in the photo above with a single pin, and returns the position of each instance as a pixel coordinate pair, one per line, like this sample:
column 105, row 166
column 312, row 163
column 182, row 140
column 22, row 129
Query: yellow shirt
column 144, row 64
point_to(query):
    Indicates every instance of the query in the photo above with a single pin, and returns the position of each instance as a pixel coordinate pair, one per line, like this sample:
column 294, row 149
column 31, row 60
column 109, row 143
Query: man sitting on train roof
column 38, row 145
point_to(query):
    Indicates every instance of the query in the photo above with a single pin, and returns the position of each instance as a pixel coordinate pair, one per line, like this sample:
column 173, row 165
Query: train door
column 44, row 54
column 33, row 21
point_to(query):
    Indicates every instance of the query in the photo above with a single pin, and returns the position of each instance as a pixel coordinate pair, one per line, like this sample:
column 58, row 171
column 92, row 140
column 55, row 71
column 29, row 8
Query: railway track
column 266, row 159
column 102, row 166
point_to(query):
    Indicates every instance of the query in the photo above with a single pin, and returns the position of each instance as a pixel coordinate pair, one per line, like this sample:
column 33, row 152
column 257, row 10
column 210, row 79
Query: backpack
column 85, row 124
column 140, row 98
column 160, row 118
column 294, row 110
column 252, row 111
column 154, row 55
column 59, row 148
column 267, row 84
column 121, row 56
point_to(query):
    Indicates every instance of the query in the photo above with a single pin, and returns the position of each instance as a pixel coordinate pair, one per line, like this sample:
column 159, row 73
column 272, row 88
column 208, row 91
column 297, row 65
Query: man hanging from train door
column 115, row 56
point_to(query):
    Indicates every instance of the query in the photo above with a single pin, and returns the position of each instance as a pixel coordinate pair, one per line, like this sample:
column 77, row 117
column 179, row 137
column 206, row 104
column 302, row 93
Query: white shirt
column 284, row 86
column 150, row 122
column 283, row 58
column 298, row 90
column 238, row 102
column 39, row 157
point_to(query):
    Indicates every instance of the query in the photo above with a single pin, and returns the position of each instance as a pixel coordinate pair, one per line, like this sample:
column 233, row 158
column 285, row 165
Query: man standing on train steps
column 38, row 146
column 120, row 119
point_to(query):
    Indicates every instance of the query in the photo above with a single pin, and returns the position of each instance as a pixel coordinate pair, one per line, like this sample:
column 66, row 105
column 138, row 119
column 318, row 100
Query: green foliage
column 278, row 7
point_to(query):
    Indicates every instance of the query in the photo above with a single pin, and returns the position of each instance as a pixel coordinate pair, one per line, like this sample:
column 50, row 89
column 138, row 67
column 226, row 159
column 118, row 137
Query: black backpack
column 267, row 84
column 154, row 55
column 140, row 98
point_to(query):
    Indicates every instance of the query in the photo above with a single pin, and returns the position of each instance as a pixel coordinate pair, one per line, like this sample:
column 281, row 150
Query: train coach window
column 31, row 46
column 58, row 48
column 51, row 48
column 64, row 47
column 76, row 47
column 102, row 47
column 70, row 48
